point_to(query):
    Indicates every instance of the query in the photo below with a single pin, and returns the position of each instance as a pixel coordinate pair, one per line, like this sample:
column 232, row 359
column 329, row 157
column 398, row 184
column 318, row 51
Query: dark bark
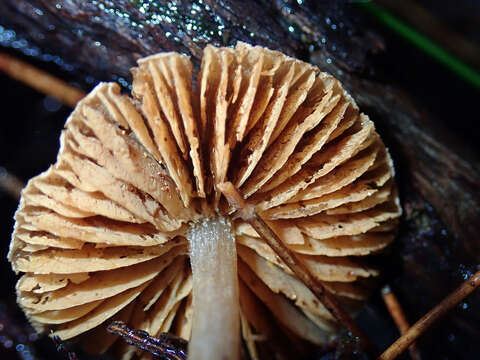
column 103, row 39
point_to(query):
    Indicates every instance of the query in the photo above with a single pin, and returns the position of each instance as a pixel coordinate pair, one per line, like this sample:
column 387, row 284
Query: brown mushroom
column 129, row 219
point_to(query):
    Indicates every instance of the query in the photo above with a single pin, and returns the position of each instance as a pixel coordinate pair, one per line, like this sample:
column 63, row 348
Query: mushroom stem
column 216, row 319
column 247, row 213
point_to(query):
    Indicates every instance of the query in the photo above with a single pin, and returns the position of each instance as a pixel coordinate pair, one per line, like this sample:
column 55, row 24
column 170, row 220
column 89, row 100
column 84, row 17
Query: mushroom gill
column 118, row 227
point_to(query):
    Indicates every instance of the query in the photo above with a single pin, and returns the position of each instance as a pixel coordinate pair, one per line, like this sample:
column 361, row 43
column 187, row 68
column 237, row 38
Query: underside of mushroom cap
column 101, row 235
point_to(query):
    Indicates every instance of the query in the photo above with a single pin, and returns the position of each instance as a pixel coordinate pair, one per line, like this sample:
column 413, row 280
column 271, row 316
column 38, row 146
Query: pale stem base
column 216, row 322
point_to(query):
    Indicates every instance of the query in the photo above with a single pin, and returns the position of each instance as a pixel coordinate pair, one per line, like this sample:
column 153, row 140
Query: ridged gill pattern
column 101, row 234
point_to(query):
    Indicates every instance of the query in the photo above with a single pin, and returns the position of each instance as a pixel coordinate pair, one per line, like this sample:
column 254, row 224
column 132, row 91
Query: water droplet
column 8, row 343
column 51, row 104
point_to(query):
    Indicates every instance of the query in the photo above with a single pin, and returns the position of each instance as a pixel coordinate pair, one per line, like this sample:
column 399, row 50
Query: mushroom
column 129, row 223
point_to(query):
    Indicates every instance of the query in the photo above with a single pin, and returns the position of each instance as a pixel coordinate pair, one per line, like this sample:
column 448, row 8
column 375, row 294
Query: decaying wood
column 104, row 38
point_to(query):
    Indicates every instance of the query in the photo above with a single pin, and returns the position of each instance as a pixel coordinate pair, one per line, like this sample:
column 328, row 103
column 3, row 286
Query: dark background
column 31, row 123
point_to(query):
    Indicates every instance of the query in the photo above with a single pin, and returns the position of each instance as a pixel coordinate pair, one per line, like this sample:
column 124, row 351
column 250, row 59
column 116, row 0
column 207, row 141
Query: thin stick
column 398, row 316
column 10, row 183
column 428, row 319
column 247, row 213
column 40, row 80
column 166, row 346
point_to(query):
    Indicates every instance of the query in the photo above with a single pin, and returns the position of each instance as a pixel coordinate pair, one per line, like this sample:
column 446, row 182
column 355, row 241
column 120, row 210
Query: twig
column 10, row 183
column 247, row 213
column 398, row 316
column 40, row 80
column 166, row 346
column 433, row 315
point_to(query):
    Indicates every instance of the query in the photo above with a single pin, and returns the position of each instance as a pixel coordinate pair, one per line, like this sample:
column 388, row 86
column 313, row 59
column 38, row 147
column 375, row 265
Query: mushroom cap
column 101, row 234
